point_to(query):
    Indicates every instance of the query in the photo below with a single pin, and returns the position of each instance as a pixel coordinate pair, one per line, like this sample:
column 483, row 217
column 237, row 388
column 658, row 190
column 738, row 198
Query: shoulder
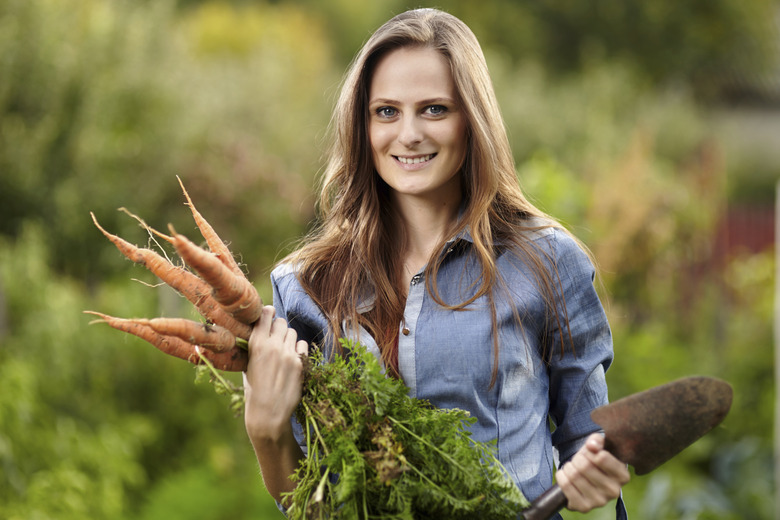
column 285, row 283
column 282, row 271
column 553, row 245
column 294, row 304
column 537, row 228
column 549, row 235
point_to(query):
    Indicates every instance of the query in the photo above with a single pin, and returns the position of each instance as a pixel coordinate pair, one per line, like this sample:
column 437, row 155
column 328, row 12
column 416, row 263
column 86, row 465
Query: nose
column 411, row 132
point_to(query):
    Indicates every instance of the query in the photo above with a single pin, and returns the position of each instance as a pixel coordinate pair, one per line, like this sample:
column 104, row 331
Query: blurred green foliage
column 696, row 42
column 108, row 101
column 104, row 102
column 99, row 426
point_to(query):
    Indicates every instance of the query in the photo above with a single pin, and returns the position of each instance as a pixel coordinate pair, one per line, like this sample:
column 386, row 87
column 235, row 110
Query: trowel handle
column 546, row 505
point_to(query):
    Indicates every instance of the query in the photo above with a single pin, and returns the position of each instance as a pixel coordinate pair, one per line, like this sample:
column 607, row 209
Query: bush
column 93, row 420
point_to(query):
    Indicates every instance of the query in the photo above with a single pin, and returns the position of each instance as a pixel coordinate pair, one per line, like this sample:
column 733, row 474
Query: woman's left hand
column 593, row 477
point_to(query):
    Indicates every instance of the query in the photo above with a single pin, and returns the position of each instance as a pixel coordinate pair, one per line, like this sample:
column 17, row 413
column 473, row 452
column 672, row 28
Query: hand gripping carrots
column 220, row 292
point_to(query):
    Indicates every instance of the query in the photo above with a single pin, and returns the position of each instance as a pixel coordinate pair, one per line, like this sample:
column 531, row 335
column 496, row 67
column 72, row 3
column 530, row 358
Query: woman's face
column 417, row 129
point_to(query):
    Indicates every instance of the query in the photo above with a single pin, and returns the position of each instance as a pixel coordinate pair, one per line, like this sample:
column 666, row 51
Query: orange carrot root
column 197, row 291
column 234, row 360
column 234, row 292
column 222, row 294
column 216, row 244
column 170, row 345
column 146, row 226
column 210, row 309
column 139, row 255
column 213, row 337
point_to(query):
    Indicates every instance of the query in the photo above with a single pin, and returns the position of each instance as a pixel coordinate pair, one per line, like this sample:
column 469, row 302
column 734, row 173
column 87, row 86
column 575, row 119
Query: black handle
column 548, row 503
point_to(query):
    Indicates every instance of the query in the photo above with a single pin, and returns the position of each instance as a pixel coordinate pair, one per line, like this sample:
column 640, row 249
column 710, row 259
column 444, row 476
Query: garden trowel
column 646, row 429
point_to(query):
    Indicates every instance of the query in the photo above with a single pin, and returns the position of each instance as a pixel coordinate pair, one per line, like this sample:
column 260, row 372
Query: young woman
column 429, row 254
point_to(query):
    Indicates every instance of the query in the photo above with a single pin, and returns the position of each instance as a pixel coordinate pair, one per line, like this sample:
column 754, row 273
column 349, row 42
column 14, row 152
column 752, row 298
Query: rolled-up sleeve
column 578, row 371
column 580, row 353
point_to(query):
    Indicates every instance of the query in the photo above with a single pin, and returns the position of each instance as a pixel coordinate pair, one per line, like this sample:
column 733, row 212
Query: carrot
column 196, row 290
column 216, row 244
column 234, row 292
column 210, row 309
column 231, row 289
column 222, row 294
column 204, row 302
column 213, row 337
column 160, row 266
column 234, row 360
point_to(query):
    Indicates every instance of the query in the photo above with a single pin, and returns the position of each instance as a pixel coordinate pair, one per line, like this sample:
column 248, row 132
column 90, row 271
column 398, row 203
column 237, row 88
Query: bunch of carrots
column 212, row 281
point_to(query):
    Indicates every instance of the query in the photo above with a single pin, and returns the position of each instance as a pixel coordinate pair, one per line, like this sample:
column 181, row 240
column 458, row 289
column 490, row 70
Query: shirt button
column 406, row 331
column 415, row 279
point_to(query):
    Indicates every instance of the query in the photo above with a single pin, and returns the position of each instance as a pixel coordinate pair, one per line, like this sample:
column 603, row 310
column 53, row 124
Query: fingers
column 262, row 328
column 273, row 378
column 271, row 332
column 593, row 477
column 302, row 348
column 267, row 325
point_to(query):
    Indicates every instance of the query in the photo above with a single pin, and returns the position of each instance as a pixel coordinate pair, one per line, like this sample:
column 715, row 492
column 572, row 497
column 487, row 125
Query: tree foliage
column 116, row 98
column 103, row 102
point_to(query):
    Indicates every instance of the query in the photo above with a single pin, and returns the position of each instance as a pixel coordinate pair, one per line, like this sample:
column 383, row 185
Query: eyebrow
column 431, row 101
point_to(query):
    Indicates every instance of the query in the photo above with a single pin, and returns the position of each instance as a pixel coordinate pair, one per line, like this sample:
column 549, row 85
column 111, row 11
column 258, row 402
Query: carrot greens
column 374, row 452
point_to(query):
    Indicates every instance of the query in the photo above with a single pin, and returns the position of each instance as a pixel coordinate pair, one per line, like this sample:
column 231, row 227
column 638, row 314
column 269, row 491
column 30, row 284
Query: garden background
column 650, row 128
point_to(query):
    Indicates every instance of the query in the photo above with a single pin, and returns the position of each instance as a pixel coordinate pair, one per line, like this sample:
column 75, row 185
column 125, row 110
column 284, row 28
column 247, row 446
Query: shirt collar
column 366, row 301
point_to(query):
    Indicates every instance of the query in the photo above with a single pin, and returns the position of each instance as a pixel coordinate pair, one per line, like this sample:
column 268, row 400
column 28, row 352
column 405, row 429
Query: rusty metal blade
column 647, row 429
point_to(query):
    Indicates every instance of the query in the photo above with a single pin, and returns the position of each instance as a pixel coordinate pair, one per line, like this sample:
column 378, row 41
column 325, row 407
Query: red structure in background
column 744, row 230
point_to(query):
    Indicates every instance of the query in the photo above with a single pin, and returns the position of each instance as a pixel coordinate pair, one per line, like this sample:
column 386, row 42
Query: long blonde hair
column 353, row 253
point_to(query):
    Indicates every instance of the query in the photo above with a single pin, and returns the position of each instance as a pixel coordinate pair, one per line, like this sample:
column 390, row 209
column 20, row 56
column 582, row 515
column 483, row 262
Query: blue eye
column 436, row 110
column 386, row 112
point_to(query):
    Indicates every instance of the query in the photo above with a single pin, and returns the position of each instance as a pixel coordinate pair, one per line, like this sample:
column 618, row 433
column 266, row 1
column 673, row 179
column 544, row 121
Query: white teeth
column 415, row 160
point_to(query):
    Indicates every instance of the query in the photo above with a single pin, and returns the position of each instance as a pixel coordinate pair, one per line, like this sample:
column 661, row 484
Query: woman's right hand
column 272, row 388
column 273, row 378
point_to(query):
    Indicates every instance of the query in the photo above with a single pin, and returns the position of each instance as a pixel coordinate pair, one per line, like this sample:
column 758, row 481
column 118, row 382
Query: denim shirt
column 446, row 356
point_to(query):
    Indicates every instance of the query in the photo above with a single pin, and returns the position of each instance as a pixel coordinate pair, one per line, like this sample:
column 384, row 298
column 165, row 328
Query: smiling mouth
column 415, row 160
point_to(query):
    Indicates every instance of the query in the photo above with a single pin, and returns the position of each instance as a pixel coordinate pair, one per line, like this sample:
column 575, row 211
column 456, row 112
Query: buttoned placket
column 407, row 346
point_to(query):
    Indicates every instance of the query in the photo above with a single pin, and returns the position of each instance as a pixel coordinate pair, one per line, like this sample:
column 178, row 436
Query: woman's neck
column 425, row 223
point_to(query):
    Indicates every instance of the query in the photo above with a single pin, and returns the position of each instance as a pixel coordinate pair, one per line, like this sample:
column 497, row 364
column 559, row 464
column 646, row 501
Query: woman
column 429, row 254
